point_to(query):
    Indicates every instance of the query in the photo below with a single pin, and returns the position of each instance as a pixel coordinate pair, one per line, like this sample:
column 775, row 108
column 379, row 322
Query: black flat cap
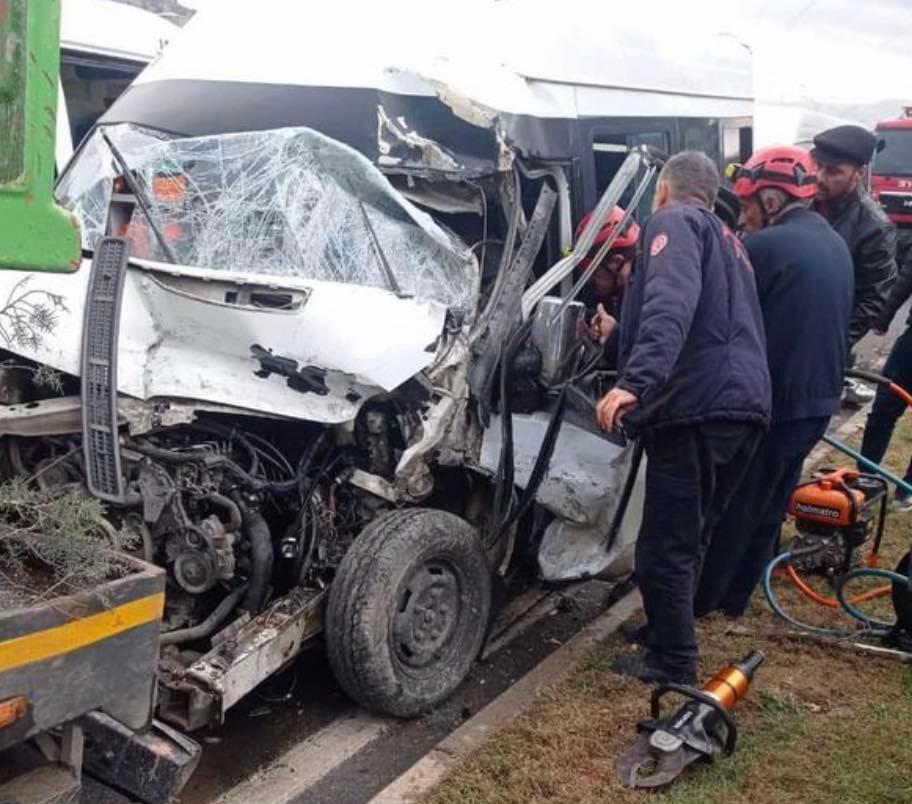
column 844, row 144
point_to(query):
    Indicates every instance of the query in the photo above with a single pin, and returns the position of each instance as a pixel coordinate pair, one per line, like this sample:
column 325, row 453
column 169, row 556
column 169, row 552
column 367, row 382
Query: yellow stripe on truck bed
column 80, row 633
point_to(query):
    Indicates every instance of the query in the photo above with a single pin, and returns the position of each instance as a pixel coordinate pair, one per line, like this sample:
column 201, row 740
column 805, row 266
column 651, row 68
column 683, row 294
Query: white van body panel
column 105, row 32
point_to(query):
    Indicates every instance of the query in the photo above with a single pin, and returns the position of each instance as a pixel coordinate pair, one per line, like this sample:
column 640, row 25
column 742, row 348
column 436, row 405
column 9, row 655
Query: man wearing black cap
column 841, row 154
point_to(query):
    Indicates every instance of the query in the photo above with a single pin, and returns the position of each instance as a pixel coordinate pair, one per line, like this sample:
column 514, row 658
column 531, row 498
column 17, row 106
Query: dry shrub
column 55, row 541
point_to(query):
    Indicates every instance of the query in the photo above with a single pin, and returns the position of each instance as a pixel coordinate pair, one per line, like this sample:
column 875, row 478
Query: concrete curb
column 847, row 429
column 502, row 711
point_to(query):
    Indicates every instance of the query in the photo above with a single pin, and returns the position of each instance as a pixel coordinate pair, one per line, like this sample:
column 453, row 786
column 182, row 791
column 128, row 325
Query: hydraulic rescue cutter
column 699, row 729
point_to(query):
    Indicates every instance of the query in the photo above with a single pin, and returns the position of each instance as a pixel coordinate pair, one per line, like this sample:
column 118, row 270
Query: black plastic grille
column 99, row 369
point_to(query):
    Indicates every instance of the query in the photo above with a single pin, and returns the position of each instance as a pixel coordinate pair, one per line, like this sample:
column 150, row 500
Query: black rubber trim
column 99, row 370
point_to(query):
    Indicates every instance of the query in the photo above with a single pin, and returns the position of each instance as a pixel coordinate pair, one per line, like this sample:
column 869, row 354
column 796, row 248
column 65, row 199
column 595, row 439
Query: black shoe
column 636, row 665
column 634, row 633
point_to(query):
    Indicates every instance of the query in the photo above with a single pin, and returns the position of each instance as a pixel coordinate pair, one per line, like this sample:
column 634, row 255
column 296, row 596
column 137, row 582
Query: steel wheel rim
column 428, row 614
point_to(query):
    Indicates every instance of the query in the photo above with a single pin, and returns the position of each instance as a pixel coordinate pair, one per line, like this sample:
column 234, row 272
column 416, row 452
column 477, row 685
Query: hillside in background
column 867, row 113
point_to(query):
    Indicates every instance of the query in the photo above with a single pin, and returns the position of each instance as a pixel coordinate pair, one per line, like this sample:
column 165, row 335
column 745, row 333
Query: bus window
column 90, row 85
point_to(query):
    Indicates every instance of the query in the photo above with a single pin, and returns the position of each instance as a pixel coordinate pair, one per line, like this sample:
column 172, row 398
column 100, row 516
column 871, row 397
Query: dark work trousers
column 746, row 537
column 887, row 406
column 691, row 474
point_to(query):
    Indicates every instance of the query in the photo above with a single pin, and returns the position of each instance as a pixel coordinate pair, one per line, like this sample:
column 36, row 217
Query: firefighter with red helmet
column 602, row 295
column 805, row 282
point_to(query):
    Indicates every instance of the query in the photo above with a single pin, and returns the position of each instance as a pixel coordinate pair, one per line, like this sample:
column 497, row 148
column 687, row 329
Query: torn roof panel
column 496, row 49
column 491, row 74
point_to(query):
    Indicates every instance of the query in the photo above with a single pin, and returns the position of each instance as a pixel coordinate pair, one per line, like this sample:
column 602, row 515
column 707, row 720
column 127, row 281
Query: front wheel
column 408, row 610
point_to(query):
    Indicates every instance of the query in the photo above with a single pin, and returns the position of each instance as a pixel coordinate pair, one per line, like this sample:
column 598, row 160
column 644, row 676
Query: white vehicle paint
column 181, row 340
column 336, row 232
column 492, row 53
column 103, row 47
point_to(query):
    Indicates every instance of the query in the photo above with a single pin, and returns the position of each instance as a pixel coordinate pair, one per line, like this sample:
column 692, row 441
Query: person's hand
column 602, row 325
column 613, row 406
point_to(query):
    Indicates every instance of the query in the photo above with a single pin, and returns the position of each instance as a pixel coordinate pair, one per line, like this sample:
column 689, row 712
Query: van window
column 737, row 144
column 90, row 85
column 609, row 152
column 700, row 134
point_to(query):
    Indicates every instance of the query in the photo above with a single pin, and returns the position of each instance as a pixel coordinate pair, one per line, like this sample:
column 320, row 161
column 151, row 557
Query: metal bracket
column 153, row 764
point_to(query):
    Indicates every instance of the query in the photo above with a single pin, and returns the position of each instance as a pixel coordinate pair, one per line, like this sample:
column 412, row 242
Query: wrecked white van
column 323, row 356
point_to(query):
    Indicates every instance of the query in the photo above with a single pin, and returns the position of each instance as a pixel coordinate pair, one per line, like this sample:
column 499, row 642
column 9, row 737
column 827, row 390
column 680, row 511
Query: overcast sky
column 828, row 50
column 825, row 50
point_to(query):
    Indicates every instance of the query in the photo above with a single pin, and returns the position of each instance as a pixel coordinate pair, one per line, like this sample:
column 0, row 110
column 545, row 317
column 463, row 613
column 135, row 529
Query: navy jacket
column 806, row 284
column 692, row 347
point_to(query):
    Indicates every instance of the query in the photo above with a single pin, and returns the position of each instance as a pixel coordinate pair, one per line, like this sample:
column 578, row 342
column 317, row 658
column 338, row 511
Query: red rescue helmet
column 627, row 239
column 786, row 167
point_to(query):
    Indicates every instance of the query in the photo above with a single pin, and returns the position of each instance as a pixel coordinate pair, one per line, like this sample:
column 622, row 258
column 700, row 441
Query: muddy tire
column 408, row 611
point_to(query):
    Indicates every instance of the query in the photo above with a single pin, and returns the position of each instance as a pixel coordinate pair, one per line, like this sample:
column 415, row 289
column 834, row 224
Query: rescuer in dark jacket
column 805, row 282
column 841, row 154
column 605, row 289
column 887, row 406
column 695, row 385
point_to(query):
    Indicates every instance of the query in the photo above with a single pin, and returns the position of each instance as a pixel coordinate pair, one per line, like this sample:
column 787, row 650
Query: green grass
column 820, row 725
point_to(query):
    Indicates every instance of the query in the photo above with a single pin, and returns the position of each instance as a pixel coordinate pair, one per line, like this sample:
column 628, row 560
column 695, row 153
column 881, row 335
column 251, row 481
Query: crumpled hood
column 195, row 334
column 315, row 282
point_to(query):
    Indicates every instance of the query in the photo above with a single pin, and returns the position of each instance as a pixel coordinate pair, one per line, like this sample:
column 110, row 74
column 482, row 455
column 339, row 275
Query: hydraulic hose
column 879, row 379
column 869, row 464
column 875, row 627
column 905, row 396
column 832, row 602
column 780, row 612
column 871, row 572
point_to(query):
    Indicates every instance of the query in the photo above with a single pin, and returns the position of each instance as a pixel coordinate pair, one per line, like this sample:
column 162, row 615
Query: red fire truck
column 891, row 171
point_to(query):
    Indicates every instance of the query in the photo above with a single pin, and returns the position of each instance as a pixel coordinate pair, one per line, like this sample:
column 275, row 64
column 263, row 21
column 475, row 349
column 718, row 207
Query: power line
column 803, row 11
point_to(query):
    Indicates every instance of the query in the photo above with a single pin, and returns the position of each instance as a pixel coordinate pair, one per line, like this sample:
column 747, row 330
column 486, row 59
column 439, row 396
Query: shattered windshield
column 286, row 202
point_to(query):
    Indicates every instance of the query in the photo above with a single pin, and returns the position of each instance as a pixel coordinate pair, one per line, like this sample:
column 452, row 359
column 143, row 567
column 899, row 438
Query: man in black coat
column 842, row 154
column 805, row 282
column 694, row 385
column 887, row 406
